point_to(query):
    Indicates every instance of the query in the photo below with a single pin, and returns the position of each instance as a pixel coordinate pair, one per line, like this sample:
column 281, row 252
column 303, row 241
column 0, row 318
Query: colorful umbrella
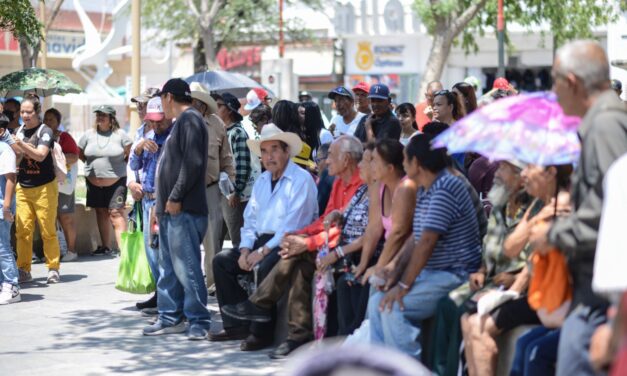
column 529, row 127
column 43, row 82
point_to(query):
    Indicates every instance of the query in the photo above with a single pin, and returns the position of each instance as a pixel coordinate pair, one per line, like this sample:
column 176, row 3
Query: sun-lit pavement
column 84, row 326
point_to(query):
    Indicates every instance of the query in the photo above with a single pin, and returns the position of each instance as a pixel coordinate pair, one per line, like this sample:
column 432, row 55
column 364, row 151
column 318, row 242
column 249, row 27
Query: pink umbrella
column 529, row 127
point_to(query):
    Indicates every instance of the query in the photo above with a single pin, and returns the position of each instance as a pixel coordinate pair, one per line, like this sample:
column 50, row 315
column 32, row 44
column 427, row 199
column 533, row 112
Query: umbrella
column 531, row 128
column 221, row 81
column 43, row 82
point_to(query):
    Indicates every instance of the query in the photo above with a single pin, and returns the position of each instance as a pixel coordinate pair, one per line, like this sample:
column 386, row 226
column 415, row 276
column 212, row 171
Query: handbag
column 134, row 273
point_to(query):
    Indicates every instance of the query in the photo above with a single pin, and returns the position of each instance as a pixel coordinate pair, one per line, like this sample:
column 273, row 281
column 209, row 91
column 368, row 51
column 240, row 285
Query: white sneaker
column 70, row 256
column 53, row 277
column 9, row 294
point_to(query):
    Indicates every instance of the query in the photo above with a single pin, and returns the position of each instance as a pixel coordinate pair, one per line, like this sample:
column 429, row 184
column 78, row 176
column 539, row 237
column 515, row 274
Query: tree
column 210, row 25
column 30, row 45
column 448, row 20
column 19, row 18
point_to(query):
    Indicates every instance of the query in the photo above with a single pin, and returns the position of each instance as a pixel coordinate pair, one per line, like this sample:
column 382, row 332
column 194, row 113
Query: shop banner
column 383, row 54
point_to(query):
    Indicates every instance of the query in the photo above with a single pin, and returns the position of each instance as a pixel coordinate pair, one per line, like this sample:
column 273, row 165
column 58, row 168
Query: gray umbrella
column 222, row 81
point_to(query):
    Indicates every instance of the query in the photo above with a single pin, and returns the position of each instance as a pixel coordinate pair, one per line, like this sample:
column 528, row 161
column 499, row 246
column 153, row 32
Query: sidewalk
column 84, row 326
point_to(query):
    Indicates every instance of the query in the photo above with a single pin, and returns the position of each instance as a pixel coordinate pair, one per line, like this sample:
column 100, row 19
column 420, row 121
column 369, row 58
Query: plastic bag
column 134, row 273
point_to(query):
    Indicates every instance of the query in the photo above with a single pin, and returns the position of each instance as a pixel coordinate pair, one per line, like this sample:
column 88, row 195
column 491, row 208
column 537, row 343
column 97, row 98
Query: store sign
column 60, row 44
column 240, row 58
column 382, row 55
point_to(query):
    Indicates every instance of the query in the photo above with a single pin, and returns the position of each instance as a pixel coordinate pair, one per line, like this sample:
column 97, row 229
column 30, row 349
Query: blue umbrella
column 221, row 81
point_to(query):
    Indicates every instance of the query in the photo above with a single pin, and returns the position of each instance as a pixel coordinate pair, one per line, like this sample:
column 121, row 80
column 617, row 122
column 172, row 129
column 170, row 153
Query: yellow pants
column 39, row 203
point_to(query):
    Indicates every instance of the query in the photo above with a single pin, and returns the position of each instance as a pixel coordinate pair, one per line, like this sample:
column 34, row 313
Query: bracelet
column 403, row 286
column 339, row 251
column 260, row 251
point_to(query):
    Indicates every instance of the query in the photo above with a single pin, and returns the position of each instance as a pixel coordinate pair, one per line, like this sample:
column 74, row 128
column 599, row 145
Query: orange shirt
column 421, row 118
column 341, row 194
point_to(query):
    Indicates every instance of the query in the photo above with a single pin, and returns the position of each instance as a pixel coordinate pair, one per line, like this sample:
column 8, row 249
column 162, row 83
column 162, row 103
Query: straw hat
column 200, row 93
column 271, row 132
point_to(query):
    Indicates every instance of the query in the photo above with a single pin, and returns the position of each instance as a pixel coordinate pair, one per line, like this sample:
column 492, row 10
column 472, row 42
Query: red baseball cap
column 501, row 83
column 261, row 94
column 362, row 86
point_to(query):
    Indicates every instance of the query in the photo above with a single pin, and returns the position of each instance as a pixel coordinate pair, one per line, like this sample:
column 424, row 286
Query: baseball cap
column 616, row 85
column 340, row 90
column 176, row 86
column 154, row 110
column 379, row 91
column 304, row 93
column 252, row 100
column 261, row 93
column 146, row 95
column 362, row 86
column 501, row 83
column 105, row 109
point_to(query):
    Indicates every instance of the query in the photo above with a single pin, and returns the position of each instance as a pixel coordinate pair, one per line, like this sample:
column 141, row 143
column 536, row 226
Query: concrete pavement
column 84, row 326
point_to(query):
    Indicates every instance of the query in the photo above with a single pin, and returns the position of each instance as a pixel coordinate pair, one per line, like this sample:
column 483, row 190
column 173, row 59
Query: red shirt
column 67, row 143
column 421, row 118
column 341, row 194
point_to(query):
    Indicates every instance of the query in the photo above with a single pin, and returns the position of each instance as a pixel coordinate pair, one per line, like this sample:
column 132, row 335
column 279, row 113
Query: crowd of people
column 366, row 229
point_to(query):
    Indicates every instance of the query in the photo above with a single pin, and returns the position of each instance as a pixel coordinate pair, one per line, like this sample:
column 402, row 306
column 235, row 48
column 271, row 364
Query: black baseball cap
column 340, row 90
column 176, row 86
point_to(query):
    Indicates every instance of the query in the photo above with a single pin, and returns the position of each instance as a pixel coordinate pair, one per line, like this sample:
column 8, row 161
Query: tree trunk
column 200, row 65
column 209, row 48
column 440, row 49
column 29, row 54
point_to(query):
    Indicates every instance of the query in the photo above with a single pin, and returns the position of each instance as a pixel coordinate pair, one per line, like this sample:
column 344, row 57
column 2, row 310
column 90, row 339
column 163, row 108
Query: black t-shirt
column 387, row 126
column 32, row 173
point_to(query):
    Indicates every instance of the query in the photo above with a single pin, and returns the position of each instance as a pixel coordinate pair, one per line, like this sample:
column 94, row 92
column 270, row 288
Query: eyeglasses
column 442, row 92
column 220, row 104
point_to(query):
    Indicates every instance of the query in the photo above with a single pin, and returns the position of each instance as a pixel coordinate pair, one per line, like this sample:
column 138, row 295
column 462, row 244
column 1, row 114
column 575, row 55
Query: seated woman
column 480, row 332
column 496, row 270
column 352, row 297
column 447, row 248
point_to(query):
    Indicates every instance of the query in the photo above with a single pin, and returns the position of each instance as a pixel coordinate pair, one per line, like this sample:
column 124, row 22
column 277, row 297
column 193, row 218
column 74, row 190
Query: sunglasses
column 442, row 92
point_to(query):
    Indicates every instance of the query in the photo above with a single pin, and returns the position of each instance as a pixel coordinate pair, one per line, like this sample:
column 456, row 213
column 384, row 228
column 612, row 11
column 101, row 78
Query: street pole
column 135, row 62
column 44, row 46
column 500, row 32
column 281, row 38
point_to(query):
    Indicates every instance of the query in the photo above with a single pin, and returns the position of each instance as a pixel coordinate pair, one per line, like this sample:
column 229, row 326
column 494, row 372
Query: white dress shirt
column 291, row 206
column 611, row 254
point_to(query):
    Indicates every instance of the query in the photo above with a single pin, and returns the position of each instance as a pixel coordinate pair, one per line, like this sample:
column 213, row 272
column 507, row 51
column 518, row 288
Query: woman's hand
column 476, row 281
column 328, row 260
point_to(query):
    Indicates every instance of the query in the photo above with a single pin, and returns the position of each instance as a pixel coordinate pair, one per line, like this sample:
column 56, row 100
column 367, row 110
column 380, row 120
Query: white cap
column 154, row 110
column 252, row 101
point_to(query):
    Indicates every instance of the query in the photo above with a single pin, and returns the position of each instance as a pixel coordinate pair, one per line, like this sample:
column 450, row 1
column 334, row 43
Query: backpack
column 58, row 158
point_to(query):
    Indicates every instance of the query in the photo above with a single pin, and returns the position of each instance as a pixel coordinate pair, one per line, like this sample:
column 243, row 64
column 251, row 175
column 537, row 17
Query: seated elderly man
column 284, row 198
column 295, row 270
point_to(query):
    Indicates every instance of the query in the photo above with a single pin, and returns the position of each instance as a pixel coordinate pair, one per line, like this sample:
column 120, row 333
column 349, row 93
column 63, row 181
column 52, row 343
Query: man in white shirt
column 283, row 199
column 347, row 118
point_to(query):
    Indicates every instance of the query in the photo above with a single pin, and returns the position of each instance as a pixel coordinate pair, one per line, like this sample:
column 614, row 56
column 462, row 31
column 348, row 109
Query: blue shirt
column 7, row 166
column 291, row 206
column 446, row 208
column 147, row 161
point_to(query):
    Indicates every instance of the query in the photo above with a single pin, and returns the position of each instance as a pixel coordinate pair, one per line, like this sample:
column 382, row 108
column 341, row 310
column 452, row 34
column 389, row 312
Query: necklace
column 98, row 141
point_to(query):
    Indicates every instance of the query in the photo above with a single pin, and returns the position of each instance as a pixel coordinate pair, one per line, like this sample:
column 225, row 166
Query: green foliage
column 565, row 19
column 19, row 18
column 238, row 21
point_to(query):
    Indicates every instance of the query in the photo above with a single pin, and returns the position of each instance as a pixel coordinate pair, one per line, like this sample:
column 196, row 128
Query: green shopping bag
column 134, row 273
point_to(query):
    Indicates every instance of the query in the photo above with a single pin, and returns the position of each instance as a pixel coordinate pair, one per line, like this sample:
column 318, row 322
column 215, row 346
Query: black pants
column 352, row 302
column 228, row 290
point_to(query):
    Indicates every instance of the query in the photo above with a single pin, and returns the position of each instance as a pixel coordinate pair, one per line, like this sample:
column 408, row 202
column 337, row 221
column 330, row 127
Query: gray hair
column 351, row 146
column 587, row 60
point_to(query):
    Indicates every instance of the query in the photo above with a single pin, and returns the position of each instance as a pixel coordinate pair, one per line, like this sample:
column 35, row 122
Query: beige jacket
column 219, row 153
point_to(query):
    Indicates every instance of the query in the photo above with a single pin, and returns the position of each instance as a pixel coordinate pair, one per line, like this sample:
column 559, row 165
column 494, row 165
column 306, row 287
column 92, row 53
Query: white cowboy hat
column 271, row 132
column 200, row 93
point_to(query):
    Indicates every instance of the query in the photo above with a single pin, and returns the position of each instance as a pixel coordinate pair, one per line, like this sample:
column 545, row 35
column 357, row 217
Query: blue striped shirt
column 446, row 208
column 146, row 163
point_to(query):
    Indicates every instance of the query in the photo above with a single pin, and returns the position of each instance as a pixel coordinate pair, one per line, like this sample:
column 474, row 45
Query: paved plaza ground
column 84, row 326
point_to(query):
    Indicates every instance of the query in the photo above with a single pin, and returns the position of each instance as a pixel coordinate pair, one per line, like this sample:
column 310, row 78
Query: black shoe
column 233, row 334
column 254, row 343
column 285, row 349
column 101, row 251
column 247, row 311
column 150, row 303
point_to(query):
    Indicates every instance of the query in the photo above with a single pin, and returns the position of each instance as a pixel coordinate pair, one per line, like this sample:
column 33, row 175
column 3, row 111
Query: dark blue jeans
column 536, row 352
column 573, row 352
column 181, row 289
